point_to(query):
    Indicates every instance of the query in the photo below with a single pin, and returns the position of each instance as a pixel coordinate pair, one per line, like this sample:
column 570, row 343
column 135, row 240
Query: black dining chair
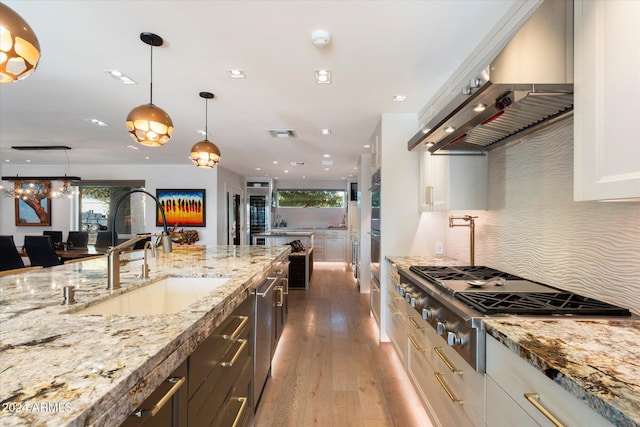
column 56, row 237
column 78, row 239
column 40, row 251
column 103, row 239
column 140, row 243
column 9, row 256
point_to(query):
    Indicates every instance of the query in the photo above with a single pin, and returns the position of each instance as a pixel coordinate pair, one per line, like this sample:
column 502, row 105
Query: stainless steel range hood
column 528, row 84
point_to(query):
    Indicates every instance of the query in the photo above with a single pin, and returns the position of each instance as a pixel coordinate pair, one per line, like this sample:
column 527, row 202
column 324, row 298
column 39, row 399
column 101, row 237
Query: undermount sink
column 165, row 296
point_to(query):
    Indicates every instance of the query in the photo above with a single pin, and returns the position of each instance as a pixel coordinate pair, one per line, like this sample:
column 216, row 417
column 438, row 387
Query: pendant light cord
column 151, row 83
column 206, row 119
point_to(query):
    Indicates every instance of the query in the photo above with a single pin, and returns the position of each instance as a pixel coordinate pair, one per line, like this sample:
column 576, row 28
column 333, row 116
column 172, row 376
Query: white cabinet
column 607, row 89
column 452, row 182
column 335, row 244
column 396, row 313
column 528, row 390
column 318, row 246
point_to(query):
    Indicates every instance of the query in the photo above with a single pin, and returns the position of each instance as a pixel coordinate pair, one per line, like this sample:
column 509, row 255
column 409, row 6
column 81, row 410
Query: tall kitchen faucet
column 469, row 222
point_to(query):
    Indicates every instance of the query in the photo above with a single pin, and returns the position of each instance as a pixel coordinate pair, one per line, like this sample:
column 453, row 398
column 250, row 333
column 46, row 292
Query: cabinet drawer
column 516, row 377
column 397, row 330
column 503, row 411
column 238, row 408
column 440, row 398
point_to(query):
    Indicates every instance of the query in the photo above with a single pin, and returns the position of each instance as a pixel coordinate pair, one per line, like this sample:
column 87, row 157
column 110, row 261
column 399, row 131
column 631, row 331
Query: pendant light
column 205, row 154
column 19, row 47
column 147, row 124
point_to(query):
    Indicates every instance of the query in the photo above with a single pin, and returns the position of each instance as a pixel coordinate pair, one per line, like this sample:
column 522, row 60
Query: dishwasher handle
column 264, row 294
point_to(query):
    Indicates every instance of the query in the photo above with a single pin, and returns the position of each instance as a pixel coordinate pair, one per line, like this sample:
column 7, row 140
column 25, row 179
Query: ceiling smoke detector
column 320, row 38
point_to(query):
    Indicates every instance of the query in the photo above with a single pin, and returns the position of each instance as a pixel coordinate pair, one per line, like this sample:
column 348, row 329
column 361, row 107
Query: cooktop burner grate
column 535, row 303
column 434, row 273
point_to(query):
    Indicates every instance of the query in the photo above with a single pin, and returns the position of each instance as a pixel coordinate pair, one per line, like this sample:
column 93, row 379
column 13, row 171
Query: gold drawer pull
column 243, row 406
column 177, row 383
column 440, row 379
column 235, row 356
column 393, row 296
column 415, row 324
column 393, row 310
column 415, row 343
column 234, row 335
column 534, row 398
column 449, row 365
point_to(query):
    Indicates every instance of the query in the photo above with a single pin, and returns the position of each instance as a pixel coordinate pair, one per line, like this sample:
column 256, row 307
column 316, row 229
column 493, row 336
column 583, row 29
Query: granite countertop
column 408, row 261
column 60, row 368
column 597, row 361
column 291, row 233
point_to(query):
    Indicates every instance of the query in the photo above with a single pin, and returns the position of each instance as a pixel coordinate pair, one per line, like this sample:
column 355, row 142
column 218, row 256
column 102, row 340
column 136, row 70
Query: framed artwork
column 33, row 210
column 182, row 208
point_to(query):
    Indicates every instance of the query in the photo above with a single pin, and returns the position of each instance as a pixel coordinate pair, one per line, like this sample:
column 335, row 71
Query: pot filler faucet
column 113, row 265
column 469, row 222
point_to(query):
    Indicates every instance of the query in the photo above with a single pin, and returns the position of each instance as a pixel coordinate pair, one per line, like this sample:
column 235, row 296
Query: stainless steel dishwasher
column 264, row 334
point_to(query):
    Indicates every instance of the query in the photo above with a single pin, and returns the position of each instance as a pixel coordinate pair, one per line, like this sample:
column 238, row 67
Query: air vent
column 282, row 133
column 40, row 147
column 298, row 164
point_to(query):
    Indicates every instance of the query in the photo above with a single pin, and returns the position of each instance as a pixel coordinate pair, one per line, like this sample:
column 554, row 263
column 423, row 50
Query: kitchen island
column 62, row 368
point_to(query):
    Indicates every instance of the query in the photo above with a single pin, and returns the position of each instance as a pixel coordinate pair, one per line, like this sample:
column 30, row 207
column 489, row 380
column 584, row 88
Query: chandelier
column 29, row 187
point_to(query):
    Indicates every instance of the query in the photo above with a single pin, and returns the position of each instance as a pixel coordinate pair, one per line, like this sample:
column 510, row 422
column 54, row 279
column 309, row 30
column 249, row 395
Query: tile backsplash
column 534, row 228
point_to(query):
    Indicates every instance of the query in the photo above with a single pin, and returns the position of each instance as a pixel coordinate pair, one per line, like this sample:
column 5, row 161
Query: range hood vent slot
column 530, row 83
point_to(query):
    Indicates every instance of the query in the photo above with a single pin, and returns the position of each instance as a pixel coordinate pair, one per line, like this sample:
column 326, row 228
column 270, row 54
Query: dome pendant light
column 147, row 124
column 205, row 154
column 19, row 47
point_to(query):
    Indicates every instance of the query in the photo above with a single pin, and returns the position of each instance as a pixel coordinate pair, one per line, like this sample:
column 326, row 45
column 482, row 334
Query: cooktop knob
column 457, row 339
column 441, row 328
column 430, row 313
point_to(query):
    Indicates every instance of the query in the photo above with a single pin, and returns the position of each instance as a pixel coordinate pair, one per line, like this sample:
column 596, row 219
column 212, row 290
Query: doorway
column 234, row 220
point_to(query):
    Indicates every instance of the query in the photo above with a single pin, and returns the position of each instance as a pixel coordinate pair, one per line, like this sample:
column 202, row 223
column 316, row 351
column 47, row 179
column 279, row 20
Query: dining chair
column 9, row 256
column 40, row 251
column 78, row 239
column 140, row 243
column 56, row 237
column 103, row 239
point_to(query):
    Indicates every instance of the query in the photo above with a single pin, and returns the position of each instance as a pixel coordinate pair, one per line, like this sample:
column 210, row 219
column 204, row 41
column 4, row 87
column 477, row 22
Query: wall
column 229, row 181
column 155, row 176
column 533, row 227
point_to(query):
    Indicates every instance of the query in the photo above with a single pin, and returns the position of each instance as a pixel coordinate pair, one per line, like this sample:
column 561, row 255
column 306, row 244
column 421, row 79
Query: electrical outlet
column 439, row 248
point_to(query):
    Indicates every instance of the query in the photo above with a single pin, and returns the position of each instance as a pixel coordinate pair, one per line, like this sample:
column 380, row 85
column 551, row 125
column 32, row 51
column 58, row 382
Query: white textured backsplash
column 534, row 228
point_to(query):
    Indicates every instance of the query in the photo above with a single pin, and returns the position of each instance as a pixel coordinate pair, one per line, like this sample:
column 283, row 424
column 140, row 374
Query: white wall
column 156, row 176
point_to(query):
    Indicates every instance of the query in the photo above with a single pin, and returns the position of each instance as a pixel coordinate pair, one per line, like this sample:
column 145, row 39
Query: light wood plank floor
column 330, row 368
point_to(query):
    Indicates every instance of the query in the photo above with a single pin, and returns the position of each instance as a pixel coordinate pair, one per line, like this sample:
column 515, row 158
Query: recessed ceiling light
column 258, row 169
column 147, row 157
column 286, row 171
column 96, row 122
column 132, row 147
column 236, row 74
column 326, row 131
column 304, row 177
column 428, row 144
column 327, row 169
column 479, row 108
column 120, row 78
column 28, row 161
column 7, row 160
column 399, row 98
column 323, row 76
column 355, row 168
column 326, row 155
column 366, row 146
column 449, row 129
column 275, row 162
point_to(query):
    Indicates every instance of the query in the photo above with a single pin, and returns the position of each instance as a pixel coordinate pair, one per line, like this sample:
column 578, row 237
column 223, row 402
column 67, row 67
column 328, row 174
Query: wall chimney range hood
column 528, row 84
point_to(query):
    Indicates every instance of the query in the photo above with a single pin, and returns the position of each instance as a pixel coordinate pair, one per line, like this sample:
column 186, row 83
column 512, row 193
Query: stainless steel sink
column 165, row 296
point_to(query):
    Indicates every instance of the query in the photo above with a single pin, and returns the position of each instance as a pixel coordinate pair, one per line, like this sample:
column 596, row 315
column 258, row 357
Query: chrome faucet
column 472, row 231
column 113, row 267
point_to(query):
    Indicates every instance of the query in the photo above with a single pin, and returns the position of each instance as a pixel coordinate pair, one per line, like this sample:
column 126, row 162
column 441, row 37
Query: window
column 312, row 198
column 98, row 200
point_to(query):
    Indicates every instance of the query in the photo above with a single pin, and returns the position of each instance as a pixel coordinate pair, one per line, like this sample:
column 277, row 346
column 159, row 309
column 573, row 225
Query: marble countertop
column 291, row 233
column 60, row 368
column 597, row 361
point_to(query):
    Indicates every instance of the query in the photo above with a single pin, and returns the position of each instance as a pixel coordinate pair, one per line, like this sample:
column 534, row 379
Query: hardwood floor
column 330, row 368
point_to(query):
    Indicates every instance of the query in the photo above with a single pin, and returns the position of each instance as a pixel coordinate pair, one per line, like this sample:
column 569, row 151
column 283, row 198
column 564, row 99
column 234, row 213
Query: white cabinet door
column 607, row 89
column 453, row 182
column 334, row 246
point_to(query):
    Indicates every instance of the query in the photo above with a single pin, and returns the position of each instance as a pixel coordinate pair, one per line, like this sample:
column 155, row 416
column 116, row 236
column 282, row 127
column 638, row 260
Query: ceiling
column 378, row 49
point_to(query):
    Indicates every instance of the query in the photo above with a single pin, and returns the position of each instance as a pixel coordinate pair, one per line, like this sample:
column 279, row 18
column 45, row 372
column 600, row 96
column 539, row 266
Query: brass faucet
column 472, row 231
column 145, row 264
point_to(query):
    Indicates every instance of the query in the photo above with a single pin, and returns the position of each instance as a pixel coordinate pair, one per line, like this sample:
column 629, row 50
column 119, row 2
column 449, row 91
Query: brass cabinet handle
column 243, row 406
column 236, row 332
column 440, row 379
column 235, row 356
column 163, row 400
column 415, row 324
column 534, row 398
column 393, row 310
column 439, row 351
column 393, row 296
column 280, row 291
column 415, row 343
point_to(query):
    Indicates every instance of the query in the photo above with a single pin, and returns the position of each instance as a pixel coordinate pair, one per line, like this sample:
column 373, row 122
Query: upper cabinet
column 452, row 182
column 607, row 89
